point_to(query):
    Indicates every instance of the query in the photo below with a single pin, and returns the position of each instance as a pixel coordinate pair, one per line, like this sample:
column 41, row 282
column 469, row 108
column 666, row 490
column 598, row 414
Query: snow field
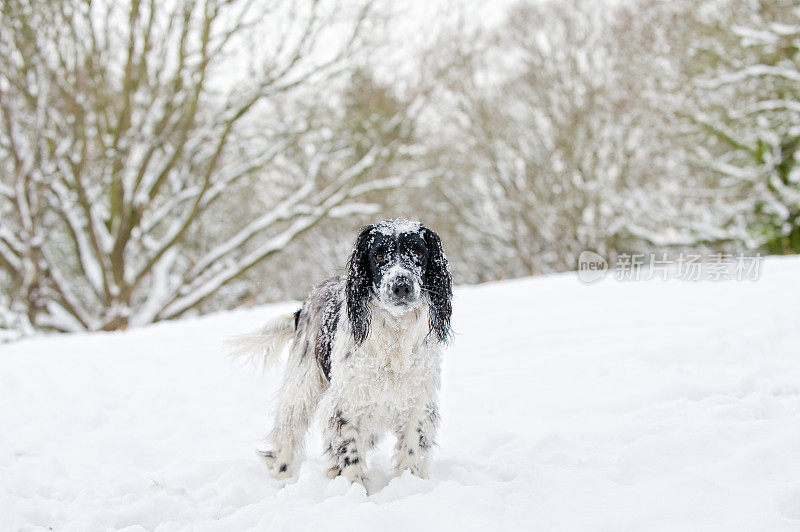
column 612, row 406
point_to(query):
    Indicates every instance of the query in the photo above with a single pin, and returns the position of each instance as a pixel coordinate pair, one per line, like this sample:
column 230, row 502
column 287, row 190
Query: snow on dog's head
column 399, row 265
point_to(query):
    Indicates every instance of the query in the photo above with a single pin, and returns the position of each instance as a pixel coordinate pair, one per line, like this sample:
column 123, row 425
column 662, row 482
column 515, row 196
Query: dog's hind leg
column 297, row 400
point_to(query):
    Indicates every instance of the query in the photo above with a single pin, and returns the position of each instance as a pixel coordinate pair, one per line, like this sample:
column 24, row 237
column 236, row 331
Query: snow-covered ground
column 613, row 406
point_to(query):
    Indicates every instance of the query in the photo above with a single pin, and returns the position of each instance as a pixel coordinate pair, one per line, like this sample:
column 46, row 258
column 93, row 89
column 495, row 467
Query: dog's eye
column 417, row 254
column 380, row 256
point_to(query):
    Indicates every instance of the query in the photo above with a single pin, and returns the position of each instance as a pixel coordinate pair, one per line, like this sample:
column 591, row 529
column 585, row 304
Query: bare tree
column 128, row 129
column 556, row 151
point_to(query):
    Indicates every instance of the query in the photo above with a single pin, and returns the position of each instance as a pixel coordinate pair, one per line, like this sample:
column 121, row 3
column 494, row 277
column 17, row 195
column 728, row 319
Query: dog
column 366, row 355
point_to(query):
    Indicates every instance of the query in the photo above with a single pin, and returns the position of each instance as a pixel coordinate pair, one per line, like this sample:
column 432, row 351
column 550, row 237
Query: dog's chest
column 393, row 350
column 394, row 357
column 392, row 367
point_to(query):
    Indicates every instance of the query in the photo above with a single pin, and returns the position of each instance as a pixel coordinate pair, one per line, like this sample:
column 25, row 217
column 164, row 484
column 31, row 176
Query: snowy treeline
column 650, row 125
column 158, row 158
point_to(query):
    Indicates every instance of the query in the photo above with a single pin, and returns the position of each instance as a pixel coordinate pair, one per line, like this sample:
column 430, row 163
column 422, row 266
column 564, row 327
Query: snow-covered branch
column 752, row 71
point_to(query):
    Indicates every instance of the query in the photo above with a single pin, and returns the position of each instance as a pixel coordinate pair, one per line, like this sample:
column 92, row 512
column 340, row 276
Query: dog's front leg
column 416, row 435
column 345, row 448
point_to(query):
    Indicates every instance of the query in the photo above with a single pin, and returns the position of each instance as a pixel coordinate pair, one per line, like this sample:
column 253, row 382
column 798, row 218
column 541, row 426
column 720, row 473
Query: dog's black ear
column 359, row 278
column 438, row 285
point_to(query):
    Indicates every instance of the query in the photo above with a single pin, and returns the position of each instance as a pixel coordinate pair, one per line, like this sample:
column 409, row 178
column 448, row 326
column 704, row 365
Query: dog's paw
column 355, row 475
column 418, row 469
column 268, row 457
column 280, row 470
column 351, row 474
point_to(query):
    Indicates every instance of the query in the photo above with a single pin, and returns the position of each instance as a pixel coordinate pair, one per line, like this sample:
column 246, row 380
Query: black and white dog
column 366, row 354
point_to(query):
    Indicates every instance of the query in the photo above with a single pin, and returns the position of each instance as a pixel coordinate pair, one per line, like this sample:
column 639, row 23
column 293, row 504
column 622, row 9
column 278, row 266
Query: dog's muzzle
column 401, row 288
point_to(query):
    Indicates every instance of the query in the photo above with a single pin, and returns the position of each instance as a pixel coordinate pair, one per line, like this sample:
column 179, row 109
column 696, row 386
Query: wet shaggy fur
column 366, row 354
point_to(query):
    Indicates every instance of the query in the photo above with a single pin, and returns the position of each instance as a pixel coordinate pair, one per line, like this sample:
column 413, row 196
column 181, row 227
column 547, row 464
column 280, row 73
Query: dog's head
column 398, row 264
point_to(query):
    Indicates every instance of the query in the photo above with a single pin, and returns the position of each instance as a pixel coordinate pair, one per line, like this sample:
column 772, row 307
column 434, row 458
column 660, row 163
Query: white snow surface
column 614, row 406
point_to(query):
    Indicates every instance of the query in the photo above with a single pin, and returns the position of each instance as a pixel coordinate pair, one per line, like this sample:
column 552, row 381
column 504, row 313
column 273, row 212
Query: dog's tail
column 265, row 345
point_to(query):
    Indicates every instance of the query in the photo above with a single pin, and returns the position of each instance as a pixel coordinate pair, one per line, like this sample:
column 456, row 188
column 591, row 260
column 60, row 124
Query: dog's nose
column 401, row 288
